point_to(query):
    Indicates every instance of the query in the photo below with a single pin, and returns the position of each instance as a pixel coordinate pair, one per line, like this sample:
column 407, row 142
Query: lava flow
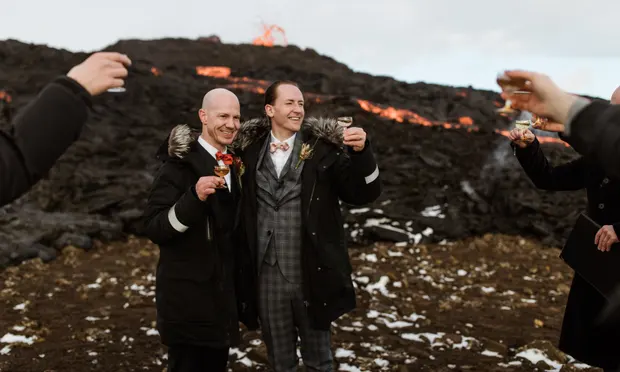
column 402, row 115
column 4, row 96
column 399, row 115
column 267, row 38
column 242, row 83
column 396, row 114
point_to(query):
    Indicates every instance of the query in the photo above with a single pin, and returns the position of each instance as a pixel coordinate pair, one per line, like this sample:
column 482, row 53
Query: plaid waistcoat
column 279, row 212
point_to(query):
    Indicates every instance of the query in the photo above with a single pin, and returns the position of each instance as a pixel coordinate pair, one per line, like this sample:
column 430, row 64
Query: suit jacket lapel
column 270, row 166
column 202, row 161
column 234, row 185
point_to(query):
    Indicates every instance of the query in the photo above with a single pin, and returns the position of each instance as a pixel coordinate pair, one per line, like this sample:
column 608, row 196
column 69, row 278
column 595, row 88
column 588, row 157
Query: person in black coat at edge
column 592, row 127
column 44, row 129
column 582, row 336
column 191, row 214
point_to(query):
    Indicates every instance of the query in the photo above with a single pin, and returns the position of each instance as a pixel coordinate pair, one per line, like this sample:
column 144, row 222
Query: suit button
column 313, row 233
column 601, row 206
column 268, row 232
column 605, row 180
column 318, row 268
column 276, row 208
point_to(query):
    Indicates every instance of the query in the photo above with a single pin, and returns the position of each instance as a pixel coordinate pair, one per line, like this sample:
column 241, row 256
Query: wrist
column 79, row 81
column 563, row 107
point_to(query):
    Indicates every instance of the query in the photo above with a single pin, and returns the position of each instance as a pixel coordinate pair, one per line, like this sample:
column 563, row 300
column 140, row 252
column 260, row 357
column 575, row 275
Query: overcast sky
column 451, row 42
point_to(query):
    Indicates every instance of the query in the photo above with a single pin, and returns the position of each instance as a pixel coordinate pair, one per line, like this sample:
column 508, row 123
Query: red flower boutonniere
column 239, row 168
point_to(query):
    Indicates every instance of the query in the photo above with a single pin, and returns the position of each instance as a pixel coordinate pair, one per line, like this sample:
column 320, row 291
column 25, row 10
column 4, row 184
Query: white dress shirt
column 212, row 150
column 280, row 157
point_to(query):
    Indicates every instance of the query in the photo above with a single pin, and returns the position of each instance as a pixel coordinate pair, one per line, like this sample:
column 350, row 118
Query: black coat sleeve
column 565, row 177
column 357, row 176
column 41, row 132
column 173, row 206
column 595, row 133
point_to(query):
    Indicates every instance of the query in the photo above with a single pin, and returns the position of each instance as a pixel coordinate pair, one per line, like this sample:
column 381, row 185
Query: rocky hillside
column 447, row 169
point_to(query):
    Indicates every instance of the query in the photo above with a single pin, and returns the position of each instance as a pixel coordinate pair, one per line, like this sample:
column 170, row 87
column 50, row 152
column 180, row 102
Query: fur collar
column 180, row 140
column 256, row 129
column 182, row 136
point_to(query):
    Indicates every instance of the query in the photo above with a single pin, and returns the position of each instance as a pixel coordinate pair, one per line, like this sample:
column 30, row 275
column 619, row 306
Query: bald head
column 220, row 115
column 217, row 97
column 615, row 97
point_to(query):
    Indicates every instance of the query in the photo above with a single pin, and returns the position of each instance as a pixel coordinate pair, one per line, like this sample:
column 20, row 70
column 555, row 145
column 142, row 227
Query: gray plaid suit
column 281, row 303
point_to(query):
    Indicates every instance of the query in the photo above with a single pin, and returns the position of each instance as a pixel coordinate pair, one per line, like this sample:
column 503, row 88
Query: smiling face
column 220, row 117
column 286, row 110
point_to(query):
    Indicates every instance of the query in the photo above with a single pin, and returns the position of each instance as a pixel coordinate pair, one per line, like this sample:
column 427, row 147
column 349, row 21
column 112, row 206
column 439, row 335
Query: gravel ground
column 492, row 303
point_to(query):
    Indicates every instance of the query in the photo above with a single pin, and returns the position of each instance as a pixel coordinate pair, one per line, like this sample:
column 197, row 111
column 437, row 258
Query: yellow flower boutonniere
column 305, row 153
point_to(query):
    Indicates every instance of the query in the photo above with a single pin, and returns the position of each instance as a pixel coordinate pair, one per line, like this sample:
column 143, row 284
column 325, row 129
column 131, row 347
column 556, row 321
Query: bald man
column 615, row 96
column 190, row 215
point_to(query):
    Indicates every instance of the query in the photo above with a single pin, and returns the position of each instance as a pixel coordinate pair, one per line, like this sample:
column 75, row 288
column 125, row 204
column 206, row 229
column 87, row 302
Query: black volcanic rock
column 457, row 182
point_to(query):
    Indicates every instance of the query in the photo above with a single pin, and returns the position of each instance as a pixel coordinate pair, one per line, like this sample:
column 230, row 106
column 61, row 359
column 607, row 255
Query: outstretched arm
column 565, row 177
column 41, row 133
column 44, row 129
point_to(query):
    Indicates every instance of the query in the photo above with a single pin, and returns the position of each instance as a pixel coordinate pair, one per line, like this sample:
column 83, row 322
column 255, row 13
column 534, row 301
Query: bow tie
column 227, row 158
column 273, row 147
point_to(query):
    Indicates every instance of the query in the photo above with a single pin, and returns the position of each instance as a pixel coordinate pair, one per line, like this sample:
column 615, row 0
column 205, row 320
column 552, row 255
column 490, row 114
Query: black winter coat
column 195, row 294
column 595, row 133
column 332, row 173
column 581, row 338
column 41, row 132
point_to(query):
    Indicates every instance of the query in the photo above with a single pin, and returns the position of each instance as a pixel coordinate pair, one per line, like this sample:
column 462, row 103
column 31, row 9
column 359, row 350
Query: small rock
column 543, row 366
column 570, row 368
column 417, row 352
column 452, row 339
column 46, row 254
column 547, row 348
column 563, row 288
column 383, row 233
column 27, row 252
column 494, row 346
column 76, row 240
column 259, row 354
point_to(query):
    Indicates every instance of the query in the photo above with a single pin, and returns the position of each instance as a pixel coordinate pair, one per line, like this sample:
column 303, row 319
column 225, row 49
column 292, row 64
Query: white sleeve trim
column 373, row 176
column 174, row 221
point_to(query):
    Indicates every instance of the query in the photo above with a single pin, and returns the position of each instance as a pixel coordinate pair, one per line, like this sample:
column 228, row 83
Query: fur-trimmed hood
column 182, row 136
column 180, row 140
column 318, row 127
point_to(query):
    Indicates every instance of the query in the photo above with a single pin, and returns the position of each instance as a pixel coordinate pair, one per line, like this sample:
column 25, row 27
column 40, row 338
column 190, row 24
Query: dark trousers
column 190, row 358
